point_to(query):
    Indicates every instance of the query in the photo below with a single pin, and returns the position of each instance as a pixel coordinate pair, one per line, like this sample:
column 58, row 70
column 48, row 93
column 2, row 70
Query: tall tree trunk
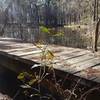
column 94, row 17
column 97, row 10
column 96, row 36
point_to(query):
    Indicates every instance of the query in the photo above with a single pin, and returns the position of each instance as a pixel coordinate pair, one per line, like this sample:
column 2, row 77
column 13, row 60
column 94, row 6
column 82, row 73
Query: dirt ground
column 4, row 97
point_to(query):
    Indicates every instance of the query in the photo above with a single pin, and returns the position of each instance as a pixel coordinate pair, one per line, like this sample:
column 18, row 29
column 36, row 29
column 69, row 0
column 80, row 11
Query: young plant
column 44, row 77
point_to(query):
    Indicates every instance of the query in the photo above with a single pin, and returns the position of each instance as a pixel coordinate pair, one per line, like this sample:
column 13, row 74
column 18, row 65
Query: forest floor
column 4, row 97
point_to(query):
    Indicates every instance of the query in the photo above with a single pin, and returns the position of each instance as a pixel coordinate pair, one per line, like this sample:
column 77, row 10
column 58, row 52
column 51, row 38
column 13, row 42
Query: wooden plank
column 92, row 73
column 26, row 53
column 78, row 67
column 65, row 52
column 68, row 56
column 55, row 51
column 20, row 49
column 97, row 67
column 12, row 64
column 83, row 65
column 95, row 71
column 62, row 62
column 80, row 59
column 97, row 79
column 32, row 57
column 85, row 75
column 15, row 44
column 73, row 54
column 35, row 56
column 82, row 74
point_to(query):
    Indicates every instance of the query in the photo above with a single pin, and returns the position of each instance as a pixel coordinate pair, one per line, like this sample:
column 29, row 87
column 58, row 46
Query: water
column 8, row 82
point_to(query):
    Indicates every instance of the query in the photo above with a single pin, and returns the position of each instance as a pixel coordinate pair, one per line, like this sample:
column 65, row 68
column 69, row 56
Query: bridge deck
column 80, row 62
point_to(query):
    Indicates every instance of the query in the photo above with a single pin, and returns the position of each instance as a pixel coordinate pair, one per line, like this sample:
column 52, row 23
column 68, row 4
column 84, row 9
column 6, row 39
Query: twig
column 74, row 89
column 89, row 91
column 17, row 93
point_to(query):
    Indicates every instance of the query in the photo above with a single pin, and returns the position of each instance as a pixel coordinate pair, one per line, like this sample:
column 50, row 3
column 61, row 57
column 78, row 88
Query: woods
column 22, row 19
column 50, row 49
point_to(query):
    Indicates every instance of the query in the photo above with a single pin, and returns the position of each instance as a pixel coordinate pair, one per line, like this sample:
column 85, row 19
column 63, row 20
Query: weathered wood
column 25, row 53
column 21, row 49
column 71, row 60
column 70, row 55
column 12, row 63
column 97, row 80
column 84, row 65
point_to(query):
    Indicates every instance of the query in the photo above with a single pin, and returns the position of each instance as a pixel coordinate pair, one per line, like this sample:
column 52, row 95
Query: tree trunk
column 94, row 11
column 96, row 36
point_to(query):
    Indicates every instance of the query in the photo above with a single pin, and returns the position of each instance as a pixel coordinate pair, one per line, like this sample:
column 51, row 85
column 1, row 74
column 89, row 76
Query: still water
column 8, row 82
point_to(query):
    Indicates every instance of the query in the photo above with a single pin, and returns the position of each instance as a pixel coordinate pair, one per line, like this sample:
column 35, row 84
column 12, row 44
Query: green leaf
column 21, row 76
column 44, row 29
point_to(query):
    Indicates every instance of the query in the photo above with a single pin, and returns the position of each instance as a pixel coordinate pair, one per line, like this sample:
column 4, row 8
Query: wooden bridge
column 79, row 62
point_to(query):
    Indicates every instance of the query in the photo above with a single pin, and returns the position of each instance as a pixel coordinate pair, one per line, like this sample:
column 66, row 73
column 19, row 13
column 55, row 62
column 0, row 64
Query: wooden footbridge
column 79, row 62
